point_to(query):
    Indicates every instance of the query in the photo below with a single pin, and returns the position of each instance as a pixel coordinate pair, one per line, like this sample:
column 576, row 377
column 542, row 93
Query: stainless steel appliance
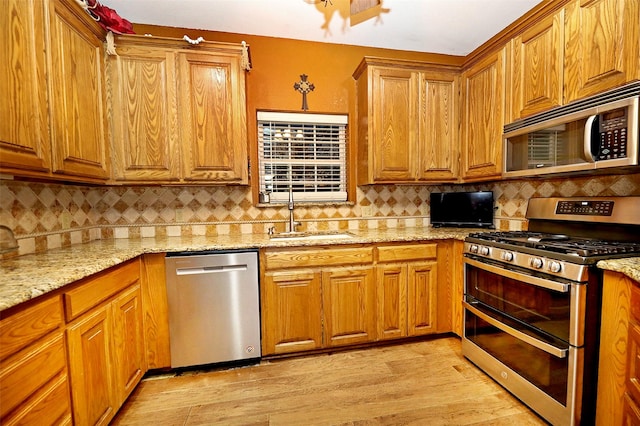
column 596, row 133
column 532, row 300
column 214, row 309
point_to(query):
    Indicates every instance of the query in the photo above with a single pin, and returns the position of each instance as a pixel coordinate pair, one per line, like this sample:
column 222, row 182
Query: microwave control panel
column 613, row 134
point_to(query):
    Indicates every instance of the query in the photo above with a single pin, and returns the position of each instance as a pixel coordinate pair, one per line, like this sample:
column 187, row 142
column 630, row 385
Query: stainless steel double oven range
column 532, row 300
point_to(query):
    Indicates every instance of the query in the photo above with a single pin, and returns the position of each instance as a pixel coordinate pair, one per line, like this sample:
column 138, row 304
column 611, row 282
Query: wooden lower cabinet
column 316, row 298
column 91, row 369
column 406, row 286
column 34, row 386
column 105, row 342
column 619, row 365
column 348, row 300
column 292, row 311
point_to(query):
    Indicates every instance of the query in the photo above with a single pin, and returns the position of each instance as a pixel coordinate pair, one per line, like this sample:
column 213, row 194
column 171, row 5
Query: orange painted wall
column 277, row 64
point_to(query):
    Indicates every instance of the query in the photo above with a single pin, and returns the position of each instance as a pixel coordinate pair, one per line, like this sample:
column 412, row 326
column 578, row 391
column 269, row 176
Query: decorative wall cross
column 304, row 87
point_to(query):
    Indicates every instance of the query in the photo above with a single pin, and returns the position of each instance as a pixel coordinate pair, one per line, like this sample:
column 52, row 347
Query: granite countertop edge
column 30, row 276
column 26, row 277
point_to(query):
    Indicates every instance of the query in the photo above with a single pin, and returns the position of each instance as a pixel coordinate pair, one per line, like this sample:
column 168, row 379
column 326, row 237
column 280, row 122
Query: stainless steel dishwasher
column 214, row 309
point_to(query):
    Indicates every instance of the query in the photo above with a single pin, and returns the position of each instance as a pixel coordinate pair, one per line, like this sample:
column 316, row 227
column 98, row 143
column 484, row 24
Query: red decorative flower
column 109, row 18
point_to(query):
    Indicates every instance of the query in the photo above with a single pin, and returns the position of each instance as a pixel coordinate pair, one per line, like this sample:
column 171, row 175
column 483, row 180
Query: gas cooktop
column 559, row 243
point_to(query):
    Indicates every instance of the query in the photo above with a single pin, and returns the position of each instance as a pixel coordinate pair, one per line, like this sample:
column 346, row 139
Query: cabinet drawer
column 51, row 405
column 635, row 302
column 401, row 253
column 28, row 325
column 22, row 375
column 318, row 257
column 98, row 288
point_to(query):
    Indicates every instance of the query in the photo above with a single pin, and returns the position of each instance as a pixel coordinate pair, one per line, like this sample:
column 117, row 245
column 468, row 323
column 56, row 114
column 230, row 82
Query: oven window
column 544, row 309
column 545, row 371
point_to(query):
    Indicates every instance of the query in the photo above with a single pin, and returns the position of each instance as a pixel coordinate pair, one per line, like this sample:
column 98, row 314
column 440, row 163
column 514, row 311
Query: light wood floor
column 420, row 383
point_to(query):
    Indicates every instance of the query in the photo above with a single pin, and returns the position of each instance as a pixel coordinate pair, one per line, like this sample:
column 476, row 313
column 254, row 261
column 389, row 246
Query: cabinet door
column 213, row 118
column 537, row 67
column 483, row 111
column 291, row 312
column 24, row 137
column 394, row 125
column 391, row 295
column 348, row 301
column 144, row 114
column 438, row 131
column 422, row 298
column 90, row 368
column 602, row 46
column 77, row 98
column 128, row 348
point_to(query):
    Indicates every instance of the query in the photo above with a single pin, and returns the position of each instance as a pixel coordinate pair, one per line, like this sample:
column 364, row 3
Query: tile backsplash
column 48, row 215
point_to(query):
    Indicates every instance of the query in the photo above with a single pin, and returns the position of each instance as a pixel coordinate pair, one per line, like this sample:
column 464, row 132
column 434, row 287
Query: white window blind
column 304, row 152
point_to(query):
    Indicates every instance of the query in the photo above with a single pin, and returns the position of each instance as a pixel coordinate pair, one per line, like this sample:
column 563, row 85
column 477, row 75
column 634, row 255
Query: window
column 305, row 153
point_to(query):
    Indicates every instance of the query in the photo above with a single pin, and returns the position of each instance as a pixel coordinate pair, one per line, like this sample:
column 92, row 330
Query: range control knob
column 484, row 251
column 473, row 248
column 507, row 256
column 537, row 263
column 555, row 266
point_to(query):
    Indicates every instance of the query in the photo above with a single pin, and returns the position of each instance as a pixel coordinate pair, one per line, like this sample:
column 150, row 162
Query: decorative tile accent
column 44, row 216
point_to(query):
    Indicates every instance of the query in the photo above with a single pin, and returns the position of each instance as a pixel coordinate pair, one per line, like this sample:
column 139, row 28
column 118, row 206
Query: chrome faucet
column 293, row 224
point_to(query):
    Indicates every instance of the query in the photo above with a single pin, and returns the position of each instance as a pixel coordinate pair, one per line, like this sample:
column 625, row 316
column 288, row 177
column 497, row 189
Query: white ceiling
column 453, row 27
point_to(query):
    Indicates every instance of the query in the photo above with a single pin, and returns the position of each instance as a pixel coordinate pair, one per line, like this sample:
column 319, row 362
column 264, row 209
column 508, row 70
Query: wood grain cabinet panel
column 143, row 109
column 394, row 119
column 601, row 46
column 24, row 134
column 178, row 112
column 91, row 368
column 407, row 123
column 34, row 385
column 105, row 343
column 291, row 311
column 348, row 301
column 212, row 110
column 77, row 99
column 314, row 298
column 537, row 57
column 483, row 86
column 438, row 138
column 619, row 361
column 128, row 343
column 407, row 291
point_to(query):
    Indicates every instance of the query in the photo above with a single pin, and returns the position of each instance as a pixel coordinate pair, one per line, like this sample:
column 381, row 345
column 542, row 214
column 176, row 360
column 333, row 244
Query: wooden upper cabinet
column 77, row 101
column 438, row 137
column 483, row 84
column 601, row 45
column 406, row 121
column 142, row 82
column 24, row 135
column 537, row 67
column 178, row 111
column 213, row 119
column 394, row 119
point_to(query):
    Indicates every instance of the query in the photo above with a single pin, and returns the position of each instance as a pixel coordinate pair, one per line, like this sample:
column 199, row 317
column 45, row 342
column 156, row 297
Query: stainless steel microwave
column 596, row 133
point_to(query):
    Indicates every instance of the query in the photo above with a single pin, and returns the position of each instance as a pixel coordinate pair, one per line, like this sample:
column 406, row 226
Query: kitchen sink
column 311, row 236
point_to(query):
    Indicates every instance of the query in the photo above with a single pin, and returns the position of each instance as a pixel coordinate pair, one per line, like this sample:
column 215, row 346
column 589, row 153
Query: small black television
column 462, row 209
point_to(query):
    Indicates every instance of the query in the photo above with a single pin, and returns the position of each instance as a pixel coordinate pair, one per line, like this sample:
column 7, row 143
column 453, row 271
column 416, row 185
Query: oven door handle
column 550, row 349
column 529, row 279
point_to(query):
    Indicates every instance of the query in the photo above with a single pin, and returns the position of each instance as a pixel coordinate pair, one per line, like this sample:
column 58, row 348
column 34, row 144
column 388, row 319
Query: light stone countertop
column 629, row 266
column 26, row 277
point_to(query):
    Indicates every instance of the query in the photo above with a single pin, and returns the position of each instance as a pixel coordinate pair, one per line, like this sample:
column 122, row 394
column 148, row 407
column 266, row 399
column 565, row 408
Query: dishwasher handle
column 210, row 269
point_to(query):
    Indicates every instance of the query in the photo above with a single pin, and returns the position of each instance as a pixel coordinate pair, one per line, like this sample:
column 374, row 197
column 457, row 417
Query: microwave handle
column 588, row 135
